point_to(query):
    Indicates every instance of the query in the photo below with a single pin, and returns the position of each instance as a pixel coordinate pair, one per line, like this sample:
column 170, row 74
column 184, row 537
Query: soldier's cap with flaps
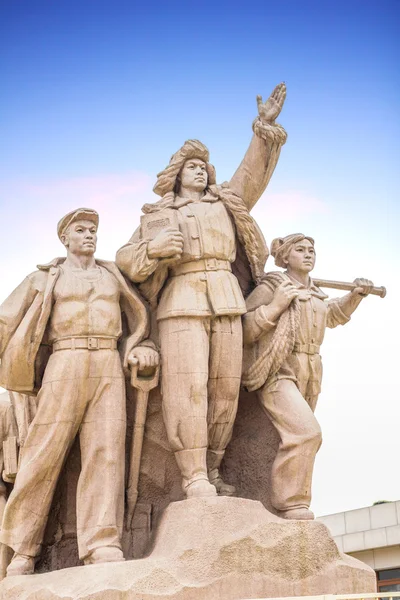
column 166, row 179
column 79, row 214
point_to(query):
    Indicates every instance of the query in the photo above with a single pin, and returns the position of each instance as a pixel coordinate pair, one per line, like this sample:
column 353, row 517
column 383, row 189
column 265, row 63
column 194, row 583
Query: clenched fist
column 364, row 286
column 283, row 296
column 144, row 357
column 167, row 244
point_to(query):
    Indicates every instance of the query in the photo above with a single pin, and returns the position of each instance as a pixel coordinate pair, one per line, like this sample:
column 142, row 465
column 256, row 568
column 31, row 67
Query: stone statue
column 70, row 332
column 283, row 331
column 193, row 248
column 76, row 308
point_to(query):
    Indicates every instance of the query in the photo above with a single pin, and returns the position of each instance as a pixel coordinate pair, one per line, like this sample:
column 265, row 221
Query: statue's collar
column 310, row 289
column 56, row 262
column 208, row 197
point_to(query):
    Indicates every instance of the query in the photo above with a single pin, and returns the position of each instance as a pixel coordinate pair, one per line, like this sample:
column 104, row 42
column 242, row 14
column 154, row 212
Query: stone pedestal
column 222, row 548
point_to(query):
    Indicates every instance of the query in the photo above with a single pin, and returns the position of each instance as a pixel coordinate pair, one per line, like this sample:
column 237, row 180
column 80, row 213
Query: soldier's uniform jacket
column 211, row 238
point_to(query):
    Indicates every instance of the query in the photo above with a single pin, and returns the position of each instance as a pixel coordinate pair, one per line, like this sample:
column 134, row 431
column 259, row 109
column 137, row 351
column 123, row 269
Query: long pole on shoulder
column 343, row 285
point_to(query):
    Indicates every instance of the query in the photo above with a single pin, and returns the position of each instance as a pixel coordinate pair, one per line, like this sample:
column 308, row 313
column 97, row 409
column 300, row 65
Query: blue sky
column 96, row 96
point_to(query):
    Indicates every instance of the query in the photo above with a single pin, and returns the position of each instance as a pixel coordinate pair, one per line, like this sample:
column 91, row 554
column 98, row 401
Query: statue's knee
column 314, row 434
column 225, row 389
column 305, row 435
column 197, row 394
column 232, row 387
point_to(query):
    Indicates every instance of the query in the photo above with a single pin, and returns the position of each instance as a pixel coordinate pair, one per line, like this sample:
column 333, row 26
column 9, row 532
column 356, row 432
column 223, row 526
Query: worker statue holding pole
column 283, row 331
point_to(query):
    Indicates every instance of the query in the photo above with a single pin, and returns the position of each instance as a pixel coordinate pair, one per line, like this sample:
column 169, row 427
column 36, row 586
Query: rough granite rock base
column 216, row 548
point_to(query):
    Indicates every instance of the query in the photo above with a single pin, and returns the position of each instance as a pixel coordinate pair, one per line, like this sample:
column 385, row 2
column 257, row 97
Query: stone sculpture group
column 187, row 293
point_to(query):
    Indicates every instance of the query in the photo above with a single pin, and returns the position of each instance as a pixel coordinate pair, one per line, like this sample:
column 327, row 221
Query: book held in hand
column 151, row 224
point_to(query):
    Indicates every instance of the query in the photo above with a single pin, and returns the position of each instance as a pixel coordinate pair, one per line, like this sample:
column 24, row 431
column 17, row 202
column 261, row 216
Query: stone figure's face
column 193, row 175
column 301, row 257
column 81, row 238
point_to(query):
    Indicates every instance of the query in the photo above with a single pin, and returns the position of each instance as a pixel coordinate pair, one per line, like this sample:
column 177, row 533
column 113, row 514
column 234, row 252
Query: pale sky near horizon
column 96, row 96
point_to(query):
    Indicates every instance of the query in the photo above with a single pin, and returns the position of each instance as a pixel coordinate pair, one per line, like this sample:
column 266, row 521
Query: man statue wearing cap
column 196, row 271
column 59, row 332
column 283, row 331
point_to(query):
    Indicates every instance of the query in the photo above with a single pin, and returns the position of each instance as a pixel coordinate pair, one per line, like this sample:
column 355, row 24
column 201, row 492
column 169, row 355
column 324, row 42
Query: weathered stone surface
column 199, row 253
column 225, row 548
column 77, row 306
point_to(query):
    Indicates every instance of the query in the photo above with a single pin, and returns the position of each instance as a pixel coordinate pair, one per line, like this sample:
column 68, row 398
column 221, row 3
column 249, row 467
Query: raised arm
column 254, row 172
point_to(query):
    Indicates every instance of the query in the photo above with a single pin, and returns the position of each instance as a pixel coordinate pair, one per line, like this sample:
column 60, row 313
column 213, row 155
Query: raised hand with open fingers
column 270, row 109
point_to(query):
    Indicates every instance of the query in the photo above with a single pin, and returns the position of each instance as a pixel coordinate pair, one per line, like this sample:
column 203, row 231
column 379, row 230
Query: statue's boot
column 301, row 513
column 21, row 564
column 104, row 554
column 193, row 467
column 214, row 459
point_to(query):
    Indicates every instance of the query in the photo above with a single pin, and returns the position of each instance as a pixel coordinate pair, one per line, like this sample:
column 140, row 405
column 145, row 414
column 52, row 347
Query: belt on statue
column 307, row 348
column 205, row 264
column 85, row 343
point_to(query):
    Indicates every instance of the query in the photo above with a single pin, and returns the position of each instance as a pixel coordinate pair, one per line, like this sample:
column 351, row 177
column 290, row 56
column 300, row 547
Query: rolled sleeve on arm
column 256, row 323
column 133, row 260
column 335, row 315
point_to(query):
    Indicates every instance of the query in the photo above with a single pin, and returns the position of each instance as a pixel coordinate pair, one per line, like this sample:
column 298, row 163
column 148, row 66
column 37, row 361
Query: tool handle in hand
column 343, row 285
column 144, row 383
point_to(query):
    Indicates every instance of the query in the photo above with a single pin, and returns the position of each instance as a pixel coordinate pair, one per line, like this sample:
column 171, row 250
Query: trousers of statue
column 201, row 370
column 300, row 440
column 83, row 393
column 7, row 429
